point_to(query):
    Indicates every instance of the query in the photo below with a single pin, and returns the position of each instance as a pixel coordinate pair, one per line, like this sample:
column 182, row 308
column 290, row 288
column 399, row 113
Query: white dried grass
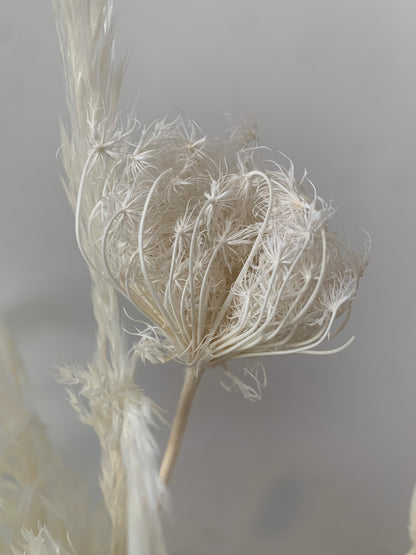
column 39, row 544
column 43, row 508
column 107, row 397
column 38, row 496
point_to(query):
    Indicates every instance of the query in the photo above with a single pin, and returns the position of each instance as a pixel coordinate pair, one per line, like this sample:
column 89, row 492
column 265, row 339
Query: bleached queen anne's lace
column 228, row 256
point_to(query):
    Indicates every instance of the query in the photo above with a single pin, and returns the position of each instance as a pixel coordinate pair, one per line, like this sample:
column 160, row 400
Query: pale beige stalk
column 190, row 384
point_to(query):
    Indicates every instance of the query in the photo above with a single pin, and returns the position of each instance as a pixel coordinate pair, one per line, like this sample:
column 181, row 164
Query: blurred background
column 325, row 463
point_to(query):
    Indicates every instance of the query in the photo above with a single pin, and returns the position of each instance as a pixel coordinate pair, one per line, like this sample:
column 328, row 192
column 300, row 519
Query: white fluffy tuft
column 39, row 544
column 226, row 258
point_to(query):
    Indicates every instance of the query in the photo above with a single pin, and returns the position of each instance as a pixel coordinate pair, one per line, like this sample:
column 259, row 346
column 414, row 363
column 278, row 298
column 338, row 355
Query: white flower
column 228, row 259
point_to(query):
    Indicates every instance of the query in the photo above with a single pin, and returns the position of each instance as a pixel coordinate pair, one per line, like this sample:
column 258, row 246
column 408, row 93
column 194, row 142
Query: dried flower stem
column 192, row 379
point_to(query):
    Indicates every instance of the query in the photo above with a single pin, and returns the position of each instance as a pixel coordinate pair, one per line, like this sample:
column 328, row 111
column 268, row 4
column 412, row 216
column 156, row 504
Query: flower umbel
column 227, row 258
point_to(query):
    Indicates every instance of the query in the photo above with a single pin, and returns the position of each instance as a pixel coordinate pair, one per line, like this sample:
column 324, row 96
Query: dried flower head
column 225, row 257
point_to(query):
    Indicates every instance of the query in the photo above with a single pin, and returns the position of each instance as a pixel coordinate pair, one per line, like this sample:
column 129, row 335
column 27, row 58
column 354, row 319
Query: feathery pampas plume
column 107, row 398
column 42, row 506
column 44, row 510
column 110, row 402
column 228, row 255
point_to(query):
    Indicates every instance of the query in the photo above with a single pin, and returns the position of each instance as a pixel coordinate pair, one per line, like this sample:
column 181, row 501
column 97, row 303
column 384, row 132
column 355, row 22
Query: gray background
column 326, row 462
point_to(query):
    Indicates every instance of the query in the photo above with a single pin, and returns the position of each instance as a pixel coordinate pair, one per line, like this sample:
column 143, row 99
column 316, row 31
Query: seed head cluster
column 227, row 255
